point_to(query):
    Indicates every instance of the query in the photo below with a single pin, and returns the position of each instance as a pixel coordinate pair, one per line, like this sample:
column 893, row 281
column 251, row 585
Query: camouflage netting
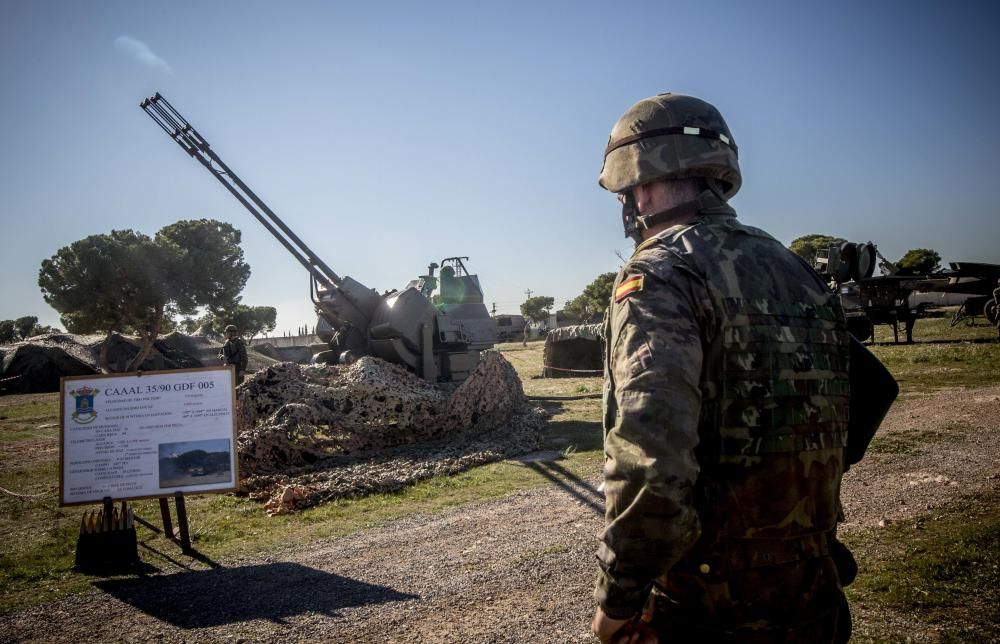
column 37, row 364
column 309, row 434
column 574, row 352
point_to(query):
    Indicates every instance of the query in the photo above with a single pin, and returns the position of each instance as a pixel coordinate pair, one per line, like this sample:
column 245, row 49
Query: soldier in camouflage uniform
column 234, row 352
column 996, row 309
column 725, row 405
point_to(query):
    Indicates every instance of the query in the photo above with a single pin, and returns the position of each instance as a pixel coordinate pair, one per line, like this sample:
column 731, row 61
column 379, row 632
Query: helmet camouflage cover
column 670, row 136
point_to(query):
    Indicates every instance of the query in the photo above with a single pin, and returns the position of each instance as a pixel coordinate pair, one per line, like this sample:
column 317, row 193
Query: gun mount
column 870, row 299
column 435, row 325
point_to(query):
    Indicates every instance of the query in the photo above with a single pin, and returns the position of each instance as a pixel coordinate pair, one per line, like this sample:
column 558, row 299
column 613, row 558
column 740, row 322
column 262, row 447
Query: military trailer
column 879, row 300
column 886, row 299
column 509, row 327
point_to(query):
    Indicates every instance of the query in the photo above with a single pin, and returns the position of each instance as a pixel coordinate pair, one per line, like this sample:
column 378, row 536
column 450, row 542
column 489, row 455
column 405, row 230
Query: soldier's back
column 774, row 419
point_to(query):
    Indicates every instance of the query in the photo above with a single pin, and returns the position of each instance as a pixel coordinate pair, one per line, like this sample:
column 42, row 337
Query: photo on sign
column 195, row 462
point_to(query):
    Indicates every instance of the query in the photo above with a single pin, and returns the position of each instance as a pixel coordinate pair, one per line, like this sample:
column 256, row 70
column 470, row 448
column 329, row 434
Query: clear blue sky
column 392, row 134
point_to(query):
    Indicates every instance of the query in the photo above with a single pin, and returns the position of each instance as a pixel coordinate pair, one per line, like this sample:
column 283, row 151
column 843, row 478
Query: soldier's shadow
column 228, row 595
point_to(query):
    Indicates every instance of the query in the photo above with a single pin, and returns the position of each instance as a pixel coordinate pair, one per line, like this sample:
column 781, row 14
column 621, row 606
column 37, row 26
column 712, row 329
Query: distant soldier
column 234, row 352
column 996, row 302
column 527, row 334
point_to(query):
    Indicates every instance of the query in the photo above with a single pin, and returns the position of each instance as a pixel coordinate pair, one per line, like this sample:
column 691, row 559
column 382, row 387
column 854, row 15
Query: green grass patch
column 16, row 432
column 942, row 570
column 580, row 435
column 940, row 328
column 891, row 445
column 912, row 441
column 40, row 407
column 26, row 417
column 925, row 366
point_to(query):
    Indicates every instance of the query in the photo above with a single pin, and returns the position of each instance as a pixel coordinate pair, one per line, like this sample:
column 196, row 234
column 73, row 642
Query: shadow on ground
column 570, row 483
column 227, row 595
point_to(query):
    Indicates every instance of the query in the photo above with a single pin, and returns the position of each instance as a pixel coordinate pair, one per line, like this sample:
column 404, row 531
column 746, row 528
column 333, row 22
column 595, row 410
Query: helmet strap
column 707, row 200
column 684, row 210
column 631, row 217
column 715, row 186
column 635, row 223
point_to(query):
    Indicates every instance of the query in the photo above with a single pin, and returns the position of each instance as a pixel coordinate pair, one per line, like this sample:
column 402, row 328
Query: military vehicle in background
column 886, row 299
column 510, row 327
column 978, row 281
column 435, row 326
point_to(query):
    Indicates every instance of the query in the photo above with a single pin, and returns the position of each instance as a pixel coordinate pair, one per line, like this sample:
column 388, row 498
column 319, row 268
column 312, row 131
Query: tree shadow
column 570, row 483
column 228, row 595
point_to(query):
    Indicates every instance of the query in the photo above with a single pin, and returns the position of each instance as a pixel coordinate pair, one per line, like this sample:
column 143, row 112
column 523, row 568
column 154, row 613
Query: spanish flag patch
column 631, row 284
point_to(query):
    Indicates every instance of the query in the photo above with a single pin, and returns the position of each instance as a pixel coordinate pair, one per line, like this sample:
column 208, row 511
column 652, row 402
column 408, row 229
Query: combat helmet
column 232, row 327
column 671, row 136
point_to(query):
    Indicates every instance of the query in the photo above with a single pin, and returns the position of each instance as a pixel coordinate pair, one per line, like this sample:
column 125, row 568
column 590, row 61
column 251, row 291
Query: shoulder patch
column 631, row 284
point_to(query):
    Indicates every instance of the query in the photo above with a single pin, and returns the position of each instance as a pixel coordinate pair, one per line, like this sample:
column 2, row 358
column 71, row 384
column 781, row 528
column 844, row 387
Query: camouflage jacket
column 234, row 352
column 725, row 415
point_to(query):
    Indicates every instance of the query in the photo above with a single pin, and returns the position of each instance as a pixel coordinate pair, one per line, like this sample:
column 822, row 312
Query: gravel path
column 512, row 570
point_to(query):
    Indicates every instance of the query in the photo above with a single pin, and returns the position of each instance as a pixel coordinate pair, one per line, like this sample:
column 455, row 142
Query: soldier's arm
column 650, row 470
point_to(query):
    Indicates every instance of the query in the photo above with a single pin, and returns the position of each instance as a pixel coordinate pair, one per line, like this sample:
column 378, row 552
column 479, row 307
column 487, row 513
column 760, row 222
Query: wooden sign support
column 182, row 521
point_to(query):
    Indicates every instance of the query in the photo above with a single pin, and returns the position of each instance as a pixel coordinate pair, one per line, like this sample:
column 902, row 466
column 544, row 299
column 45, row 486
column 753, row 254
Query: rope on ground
column 593, row 372
column 577, row 397
column 23, row 497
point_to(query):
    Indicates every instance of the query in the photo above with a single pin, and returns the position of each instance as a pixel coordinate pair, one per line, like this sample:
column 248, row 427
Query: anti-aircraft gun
column 435, row 325
column 870, row 299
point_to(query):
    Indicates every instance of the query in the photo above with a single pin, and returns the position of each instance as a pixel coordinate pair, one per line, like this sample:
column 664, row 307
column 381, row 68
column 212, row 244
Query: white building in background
column 288, row 341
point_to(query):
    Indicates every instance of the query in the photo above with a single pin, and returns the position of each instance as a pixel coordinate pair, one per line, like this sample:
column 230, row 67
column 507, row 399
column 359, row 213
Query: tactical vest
column 773, row 428
column 775, row 401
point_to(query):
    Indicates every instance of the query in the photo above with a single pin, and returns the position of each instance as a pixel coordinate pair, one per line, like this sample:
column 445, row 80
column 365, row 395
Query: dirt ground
column 511, row 570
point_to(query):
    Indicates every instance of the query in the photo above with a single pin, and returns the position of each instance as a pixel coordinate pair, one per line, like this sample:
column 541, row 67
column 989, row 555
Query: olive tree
column 920, row 261
column 8, row 332
column 807, row 245
column 251, row 320
column 538, row 308
column 22, row 328
column 25, row 325
column 595, row 298
column 127, row 282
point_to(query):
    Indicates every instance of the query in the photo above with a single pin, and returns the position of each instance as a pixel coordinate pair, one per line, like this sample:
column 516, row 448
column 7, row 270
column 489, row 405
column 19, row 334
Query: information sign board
column 148, row 434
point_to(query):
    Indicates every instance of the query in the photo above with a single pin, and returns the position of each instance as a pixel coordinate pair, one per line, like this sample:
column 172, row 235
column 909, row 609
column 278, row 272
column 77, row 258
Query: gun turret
column 435, row 331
